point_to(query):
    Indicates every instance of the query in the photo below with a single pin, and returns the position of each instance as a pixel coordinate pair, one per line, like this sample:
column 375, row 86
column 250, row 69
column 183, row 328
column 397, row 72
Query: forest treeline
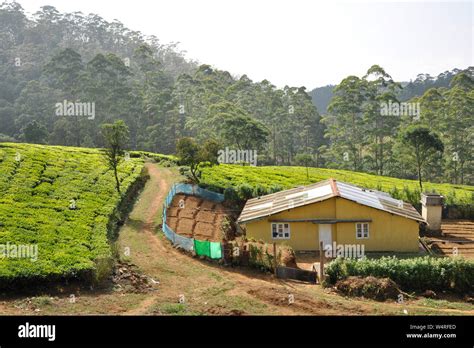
column 322, row 95
column 63, row 75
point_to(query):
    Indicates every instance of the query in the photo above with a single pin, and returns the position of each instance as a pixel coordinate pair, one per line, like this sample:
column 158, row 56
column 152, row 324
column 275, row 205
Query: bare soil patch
column 185, row 227
column 294, row 301
column 195, row 217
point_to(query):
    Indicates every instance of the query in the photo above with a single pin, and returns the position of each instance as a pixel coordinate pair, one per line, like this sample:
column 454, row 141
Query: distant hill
column 321, row 96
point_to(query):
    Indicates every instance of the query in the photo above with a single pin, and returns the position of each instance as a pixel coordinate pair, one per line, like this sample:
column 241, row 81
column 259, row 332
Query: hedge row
column 416, row 274
column 167, row 160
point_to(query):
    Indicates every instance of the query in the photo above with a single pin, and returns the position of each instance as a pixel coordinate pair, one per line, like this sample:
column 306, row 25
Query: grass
column 173, row 309
column 262, row 180
column 434, row 303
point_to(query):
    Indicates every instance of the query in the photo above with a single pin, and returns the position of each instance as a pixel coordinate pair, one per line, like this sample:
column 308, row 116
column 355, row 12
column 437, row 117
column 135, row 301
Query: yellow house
column 332, row 212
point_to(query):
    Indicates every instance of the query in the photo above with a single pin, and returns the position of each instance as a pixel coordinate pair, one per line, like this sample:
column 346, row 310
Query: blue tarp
column 193, row 190
column 176, row 239
column 168, row 232
column 184, row 242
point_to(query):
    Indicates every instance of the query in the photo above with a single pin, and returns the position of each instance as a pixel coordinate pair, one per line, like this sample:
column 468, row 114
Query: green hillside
column 262, row 180
column 37, row 186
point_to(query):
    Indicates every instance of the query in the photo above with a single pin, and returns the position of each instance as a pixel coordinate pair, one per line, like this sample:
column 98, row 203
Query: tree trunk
column 419, row 176
column 117, row 182
column 193, row 173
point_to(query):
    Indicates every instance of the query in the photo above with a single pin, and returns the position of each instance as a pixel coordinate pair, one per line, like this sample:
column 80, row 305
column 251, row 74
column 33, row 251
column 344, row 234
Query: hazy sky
column 300, row 42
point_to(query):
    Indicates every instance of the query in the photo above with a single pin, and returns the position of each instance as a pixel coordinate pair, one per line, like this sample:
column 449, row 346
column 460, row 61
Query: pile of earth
column 379, row 289
column 127, row 278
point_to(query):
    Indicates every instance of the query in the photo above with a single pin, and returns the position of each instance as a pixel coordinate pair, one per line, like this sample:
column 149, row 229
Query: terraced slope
column 457, row 238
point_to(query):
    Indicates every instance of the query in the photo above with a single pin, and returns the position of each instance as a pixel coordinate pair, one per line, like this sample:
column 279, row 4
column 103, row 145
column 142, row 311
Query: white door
column 325, row 236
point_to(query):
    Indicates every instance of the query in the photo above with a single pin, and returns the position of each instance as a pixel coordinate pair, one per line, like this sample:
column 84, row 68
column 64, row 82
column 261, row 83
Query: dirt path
column 163, row 188
column 157, row 181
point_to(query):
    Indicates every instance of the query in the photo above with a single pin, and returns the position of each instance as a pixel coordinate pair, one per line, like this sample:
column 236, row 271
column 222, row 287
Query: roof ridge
column 300, row 196
column 335, row 189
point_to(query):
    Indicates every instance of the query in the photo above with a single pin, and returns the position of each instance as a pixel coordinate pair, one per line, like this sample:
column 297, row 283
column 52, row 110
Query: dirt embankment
column 197, row 218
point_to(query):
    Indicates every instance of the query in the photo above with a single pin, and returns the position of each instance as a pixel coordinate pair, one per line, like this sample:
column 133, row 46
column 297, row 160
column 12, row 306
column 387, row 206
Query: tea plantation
column 248, row 181
column 62, row 200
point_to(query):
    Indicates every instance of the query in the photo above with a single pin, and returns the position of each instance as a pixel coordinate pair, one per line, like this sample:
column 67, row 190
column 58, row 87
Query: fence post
column 275, row 265
column 321, row 262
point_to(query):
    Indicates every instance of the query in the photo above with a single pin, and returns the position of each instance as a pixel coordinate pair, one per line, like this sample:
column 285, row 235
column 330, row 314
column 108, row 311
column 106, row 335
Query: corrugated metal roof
column 260, row 207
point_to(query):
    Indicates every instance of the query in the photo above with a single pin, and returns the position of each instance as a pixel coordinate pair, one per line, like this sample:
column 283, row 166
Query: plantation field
column 39, row 186
column 208, row 289
column 251, row 181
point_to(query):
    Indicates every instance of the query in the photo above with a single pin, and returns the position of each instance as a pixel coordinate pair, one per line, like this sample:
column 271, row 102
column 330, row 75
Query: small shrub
column 103, row 270
column 173, row 309
column 230, row 194
column 226, row 229
column 259, row 190
column 42, row 301
column 245, row 192
column 275, row 188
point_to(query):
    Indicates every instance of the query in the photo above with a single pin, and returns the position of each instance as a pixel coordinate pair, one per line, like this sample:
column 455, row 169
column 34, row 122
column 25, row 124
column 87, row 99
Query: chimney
column 431, row 209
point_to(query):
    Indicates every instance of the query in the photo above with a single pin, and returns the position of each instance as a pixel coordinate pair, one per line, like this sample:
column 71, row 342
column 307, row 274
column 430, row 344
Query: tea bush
column 418, row 274
column 63, row 200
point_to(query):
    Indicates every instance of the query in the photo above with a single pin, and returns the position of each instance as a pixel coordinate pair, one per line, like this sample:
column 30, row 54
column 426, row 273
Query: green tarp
column 202, row 247
column 209, row 249
column 216, row 251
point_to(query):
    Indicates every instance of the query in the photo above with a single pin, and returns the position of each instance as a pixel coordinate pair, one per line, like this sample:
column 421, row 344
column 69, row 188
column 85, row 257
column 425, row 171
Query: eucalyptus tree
column 346, row 128
column 116, row 137
column 379, row 90
column 423, row 143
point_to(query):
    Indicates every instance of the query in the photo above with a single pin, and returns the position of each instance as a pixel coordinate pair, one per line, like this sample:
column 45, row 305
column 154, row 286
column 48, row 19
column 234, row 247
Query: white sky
column 300, row 42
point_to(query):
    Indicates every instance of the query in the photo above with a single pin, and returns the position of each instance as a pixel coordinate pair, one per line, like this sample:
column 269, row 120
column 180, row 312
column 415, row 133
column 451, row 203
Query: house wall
column 387, row 232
